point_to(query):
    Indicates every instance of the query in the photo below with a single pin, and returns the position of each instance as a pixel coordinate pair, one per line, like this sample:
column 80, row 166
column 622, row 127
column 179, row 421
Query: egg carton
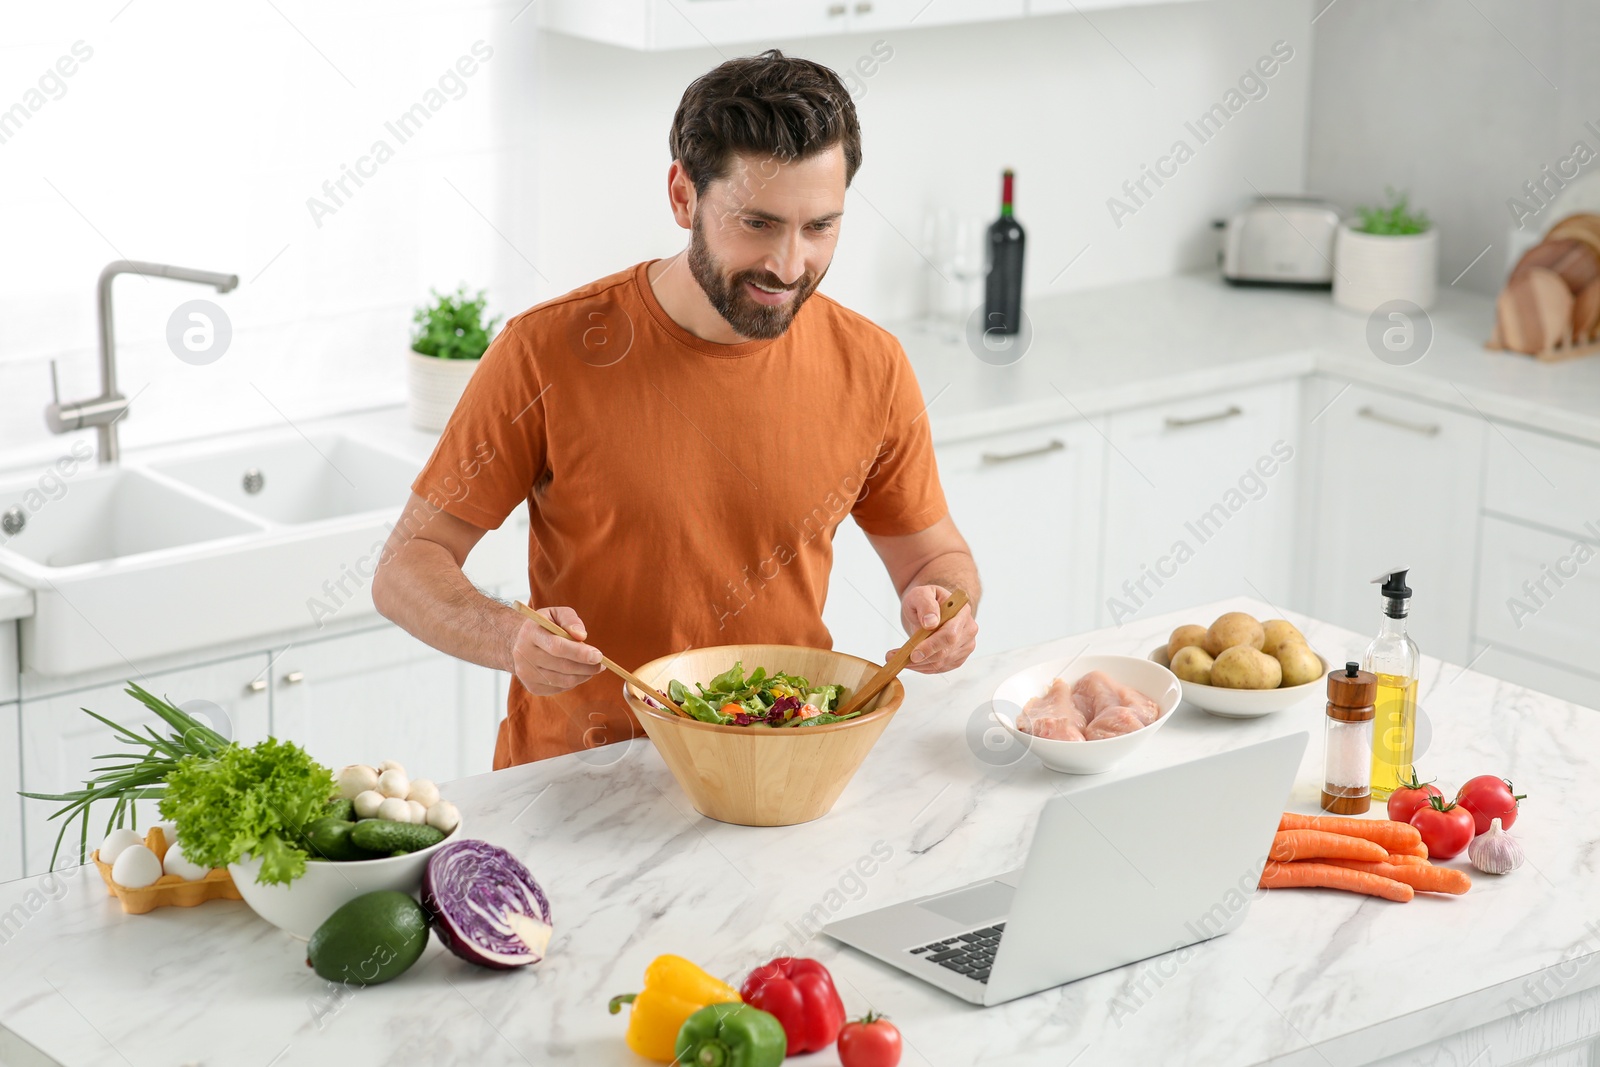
column 169, row 890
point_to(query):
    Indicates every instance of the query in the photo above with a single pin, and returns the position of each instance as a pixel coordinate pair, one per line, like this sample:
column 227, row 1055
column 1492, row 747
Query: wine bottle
column 1002, row 297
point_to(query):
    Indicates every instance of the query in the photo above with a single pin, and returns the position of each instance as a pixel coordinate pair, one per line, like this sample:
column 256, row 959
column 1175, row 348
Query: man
column 687, row 434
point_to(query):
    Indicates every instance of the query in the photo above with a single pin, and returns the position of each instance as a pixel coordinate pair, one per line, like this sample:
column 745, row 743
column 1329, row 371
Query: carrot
column 1328, row 876
column 1425, row 878
column 1394, row 836
column 1419, row 849
column 1401, row 859
column 1290, row 845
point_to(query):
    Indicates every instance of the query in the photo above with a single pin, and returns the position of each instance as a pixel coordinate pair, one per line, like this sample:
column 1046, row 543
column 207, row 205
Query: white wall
column 195, row 134
column 1076, row 107
column 1459, row 103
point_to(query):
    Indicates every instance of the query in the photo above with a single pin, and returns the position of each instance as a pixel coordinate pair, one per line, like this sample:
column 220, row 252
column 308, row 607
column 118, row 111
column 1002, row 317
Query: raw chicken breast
column 1053, row 715
column 1141, row 705
column 1094, row 693
column 1113, row 722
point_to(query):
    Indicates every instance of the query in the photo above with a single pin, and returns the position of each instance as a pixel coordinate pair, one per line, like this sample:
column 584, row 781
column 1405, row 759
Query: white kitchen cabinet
column 654, row 25
column 59, row 741
column 1542, row 479
column 1200, row 501
column 382, row 694
column 10, row 669
column 1078, row 7
column 1539, row 596
column 1422, row 515
column 10, row 781
column 1027, row 503
column 862, row 611
column 1539, row 674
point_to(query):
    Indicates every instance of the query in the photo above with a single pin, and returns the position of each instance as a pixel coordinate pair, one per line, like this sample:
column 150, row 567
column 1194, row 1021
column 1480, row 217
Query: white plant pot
column 1372, row 269
column 436, row 388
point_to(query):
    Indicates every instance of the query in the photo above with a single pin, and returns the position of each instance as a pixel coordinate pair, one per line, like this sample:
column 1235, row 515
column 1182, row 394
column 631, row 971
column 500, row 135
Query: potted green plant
column 1387, row 253
column 448, row 339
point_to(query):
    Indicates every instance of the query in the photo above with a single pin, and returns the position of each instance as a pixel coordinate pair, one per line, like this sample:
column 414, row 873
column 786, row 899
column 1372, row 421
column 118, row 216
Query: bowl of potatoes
column 1241, row 668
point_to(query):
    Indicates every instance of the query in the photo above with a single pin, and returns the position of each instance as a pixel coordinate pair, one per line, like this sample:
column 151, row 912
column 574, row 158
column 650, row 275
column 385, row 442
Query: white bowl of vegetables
column 384, row 808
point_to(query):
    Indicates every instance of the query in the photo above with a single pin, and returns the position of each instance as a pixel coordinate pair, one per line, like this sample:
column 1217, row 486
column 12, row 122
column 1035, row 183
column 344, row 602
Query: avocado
column 372, row 939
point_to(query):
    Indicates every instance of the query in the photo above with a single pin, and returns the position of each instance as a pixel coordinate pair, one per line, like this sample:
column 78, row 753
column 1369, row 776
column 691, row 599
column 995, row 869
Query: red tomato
column 1404, row 802
column 1446, row 828
column 869, row 1042
column 1488, row 797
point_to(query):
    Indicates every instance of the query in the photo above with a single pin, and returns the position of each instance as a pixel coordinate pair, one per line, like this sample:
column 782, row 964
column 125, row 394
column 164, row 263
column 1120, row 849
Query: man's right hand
column 546, row 664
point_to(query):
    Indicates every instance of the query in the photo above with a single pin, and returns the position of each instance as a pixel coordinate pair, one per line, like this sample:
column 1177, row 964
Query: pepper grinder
column 1347, row 740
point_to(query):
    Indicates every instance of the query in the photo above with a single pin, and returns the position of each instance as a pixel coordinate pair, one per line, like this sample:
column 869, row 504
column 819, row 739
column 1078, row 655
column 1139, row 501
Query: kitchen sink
column 106, row 514
column 300, row 479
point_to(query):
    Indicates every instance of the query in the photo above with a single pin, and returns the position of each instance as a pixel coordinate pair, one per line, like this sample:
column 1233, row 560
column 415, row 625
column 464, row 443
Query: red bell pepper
column 800, row 993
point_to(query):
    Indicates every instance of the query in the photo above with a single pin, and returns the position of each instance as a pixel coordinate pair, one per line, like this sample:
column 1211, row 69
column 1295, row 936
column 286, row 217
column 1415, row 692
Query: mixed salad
column 761, row 699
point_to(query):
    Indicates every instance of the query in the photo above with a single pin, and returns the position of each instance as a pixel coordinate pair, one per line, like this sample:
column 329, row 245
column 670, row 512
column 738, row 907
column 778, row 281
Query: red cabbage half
column 485, row 906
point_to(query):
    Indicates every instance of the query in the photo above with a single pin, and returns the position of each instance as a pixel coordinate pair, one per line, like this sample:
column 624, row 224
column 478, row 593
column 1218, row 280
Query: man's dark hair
column 770, row 105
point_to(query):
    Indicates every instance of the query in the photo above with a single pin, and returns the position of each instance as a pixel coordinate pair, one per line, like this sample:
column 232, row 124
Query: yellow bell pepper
column 674, row 989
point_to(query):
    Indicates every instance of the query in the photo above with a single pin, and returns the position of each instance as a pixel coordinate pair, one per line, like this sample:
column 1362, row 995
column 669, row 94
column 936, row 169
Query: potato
column 1300, row 664
column 1192, row 664
column 1185, row 637
column 1243, row 667
column 1234, row 629
column 1279, row 632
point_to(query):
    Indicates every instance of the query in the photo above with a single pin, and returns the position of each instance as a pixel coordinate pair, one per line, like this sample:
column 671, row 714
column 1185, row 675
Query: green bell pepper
column 731, row 1035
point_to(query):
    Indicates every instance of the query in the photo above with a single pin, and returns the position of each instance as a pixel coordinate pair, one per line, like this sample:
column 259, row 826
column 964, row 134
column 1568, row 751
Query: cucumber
column 343, row 808
column 330, row 838
column 386, row 836
column 374, row 938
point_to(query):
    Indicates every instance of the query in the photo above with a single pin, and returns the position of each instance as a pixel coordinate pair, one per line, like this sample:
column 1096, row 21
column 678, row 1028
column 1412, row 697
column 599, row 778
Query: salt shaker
column 1347, row 737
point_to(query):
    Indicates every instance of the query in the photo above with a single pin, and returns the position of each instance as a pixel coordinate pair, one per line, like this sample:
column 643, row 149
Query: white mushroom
column 391, row 765
column 444, row 816
column 367, row 804
column 393, row 783
column 424, row 792
column 395, row 810
column 355, row 780
column 416, row 812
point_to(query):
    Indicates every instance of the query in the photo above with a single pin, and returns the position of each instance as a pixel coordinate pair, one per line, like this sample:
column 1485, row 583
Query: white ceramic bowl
column 305, row 903
column 1086, row 757
column 1244, row 703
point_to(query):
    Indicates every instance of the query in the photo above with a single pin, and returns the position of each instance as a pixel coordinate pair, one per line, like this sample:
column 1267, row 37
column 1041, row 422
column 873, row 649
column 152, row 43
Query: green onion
column 135, row 775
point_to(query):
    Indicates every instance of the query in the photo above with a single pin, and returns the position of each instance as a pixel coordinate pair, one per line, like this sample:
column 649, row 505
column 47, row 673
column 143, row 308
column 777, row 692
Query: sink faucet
column 103, row 411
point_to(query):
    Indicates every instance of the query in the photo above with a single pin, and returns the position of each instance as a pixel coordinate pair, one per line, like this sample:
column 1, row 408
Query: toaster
column 1280, row 240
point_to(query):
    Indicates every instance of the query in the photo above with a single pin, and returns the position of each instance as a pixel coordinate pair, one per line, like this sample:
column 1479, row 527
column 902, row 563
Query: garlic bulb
column 1494, row 851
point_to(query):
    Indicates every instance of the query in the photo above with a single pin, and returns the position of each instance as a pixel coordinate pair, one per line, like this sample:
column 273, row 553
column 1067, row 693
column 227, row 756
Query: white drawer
column 1542, row 479
column 1522, row 607
column 9, row 677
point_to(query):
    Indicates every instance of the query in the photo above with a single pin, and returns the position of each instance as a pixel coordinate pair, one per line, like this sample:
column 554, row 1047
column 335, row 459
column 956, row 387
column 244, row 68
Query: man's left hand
column 945, row 650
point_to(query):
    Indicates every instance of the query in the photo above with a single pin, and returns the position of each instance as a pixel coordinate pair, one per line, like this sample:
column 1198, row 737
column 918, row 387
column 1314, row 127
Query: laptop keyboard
column 970, row 954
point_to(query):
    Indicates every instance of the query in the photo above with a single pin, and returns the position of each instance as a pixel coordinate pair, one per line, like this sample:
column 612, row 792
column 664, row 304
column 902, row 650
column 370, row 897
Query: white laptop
column 1117, row 872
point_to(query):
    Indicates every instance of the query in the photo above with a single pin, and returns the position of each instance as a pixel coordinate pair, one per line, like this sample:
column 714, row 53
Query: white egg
column 424, row 792
column 169, row 830
column 367, row 804
column 175, row 862
column 444, row 816
column 395, row 809
column 394, row 783
column 136, row 868
column 417, row 813
column 391, row 765
column 117, row 842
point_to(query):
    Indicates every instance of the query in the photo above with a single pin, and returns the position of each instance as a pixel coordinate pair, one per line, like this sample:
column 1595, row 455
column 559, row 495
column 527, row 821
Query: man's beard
column 728, row 296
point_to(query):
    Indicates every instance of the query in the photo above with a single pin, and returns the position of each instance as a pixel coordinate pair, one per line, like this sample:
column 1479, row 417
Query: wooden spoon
column 621, row 672
column 897, row 662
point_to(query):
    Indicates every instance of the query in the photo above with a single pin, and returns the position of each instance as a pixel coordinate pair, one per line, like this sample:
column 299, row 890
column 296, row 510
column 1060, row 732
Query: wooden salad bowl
column 763, row 777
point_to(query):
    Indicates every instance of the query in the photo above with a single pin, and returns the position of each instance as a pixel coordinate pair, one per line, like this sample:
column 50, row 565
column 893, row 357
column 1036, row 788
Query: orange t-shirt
column 680, row 493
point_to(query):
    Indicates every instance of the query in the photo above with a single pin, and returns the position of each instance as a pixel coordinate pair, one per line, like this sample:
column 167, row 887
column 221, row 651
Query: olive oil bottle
column 1393, row 657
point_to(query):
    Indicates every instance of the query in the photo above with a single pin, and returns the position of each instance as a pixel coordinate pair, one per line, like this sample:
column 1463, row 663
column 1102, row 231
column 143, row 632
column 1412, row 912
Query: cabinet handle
column 1055, row 444
column 836, row 10
column 1428, row 429
column 864, row 7
column 294, row 678
column 1175, row 423
column 256, row 686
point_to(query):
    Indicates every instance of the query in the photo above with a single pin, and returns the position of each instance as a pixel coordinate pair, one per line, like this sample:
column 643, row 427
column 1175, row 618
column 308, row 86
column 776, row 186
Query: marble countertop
column 1163, row 339
column 634, row 872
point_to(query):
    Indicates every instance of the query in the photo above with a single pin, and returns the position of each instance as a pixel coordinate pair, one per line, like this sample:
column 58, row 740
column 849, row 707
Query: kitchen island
column 1506, row 974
